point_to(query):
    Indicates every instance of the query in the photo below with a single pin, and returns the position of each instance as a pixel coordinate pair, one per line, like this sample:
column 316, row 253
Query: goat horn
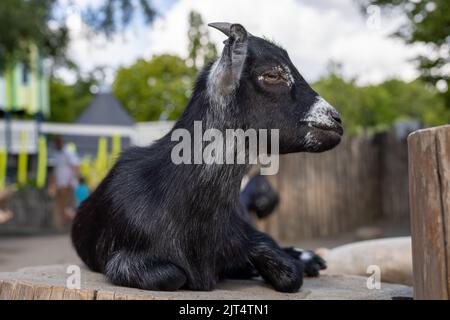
column 221, row 26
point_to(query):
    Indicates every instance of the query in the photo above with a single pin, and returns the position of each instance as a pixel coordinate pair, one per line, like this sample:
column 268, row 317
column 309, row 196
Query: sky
column 314, row 32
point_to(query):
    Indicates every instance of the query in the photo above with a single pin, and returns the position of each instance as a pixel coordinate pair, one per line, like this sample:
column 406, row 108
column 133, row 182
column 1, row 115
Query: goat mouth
column 337, row 128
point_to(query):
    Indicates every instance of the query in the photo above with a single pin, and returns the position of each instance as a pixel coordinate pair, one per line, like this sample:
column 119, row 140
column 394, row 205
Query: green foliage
column 67, row 102
column 42, row 22
column 26, row 21
column 155, row 89
column 427, row 22
column 159, row 89
column 201, row 49
column 376, row 107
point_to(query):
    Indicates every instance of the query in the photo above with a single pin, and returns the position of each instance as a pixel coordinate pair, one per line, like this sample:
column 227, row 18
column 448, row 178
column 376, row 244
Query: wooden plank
column 7, row 289
column 42, row 292
column 427, row 217
column 121, row 296
column 23, row 291
column 324, row 287
column 443, row 149
column 57, row 293
column 394, row 183
column 104, row 295
column 75, row 294
column 126, row 296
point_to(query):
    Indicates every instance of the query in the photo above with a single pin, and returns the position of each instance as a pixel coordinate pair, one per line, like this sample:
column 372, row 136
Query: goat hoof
column 312, row 263
column 293, row 285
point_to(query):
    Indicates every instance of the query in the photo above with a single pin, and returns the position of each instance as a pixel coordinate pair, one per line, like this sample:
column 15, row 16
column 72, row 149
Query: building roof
column 107, row 110
column 104, row 109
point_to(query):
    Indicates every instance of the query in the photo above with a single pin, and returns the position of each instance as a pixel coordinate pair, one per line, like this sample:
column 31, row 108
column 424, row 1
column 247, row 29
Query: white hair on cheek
column 217, row 95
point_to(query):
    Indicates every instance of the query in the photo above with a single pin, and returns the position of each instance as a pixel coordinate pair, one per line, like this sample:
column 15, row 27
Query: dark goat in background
column 155, row 225
column 259, row 197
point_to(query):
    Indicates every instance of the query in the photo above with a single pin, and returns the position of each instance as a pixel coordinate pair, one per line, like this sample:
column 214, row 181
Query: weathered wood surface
column 49, row 283
column 429, row 171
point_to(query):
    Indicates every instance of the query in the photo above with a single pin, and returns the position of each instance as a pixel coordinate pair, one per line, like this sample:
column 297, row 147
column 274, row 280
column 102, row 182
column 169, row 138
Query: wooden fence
column 360, row 181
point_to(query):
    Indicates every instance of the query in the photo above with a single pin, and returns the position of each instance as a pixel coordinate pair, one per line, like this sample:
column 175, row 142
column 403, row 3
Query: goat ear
column 226, row 72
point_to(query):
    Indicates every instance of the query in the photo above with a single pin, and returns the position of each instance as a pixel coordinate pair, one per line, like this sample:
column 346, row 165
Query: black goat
column 259, row 197
column 157, row 225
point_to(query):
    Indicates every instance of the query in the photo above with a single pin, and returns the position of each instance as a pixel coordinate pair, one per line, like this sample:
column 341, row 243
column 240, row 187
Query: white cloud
column 313, row 33
column 89, row 50
column 121, row 49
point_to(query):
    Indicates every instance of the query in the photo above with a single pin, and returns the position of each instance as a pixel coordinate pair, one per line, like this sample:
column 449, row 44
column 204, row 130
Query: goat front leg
column 277, row 268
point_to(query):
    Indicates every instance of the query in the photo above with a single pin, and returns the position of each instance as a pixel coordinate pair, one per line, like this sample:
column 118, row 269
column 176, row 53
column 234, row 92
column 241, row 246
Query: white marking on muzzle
column 320, row 113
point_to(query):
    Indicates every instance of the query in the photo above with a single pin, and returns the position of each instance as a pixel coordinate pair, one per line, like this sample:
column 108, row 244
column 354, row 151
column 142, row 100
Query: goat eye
column 272, row 78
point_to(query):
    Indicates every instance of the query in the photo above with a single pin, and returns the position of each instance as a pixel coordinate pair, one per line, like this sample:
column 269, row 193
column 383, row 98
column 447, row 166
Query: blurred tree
column 158, row 89
column 43, row 22
column 427, row 22
column 415, row 100
column 201, row 49
column 67, row 102
column 25, row 21
column 377, row 107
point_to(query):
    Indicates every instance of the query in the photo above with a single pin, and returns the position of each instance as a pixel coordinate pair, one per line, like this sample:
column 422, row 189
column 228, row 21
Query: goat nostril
column 336, row 116
column 338, row 119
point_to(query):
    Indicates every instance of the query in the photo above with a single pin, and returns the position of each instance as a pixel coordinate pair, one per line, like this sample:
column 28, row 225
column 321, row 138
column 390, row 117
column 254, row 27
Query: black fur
column 155, row 225
column 259, row 197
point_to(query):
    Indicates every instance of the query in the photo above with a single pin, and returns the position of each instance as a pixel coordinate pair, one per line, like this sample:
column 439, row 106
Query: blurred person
column 81, row 191
column 5, row 213
column 62, row 184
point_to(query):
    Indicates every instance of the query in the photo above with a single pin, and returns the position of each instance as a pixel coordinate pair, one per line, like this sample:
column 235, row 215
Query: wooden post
column 429, row 187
